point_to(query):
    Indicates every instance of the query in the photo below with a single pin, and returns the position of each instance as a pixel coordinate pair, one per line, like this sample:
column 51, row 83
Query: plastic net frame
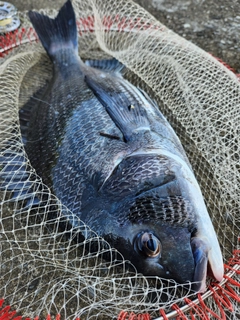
column 45, row 269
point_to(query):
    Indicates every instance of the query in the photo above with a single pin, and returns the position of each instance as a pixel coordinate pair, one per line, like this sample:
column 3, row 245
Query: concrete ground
column 212, row 25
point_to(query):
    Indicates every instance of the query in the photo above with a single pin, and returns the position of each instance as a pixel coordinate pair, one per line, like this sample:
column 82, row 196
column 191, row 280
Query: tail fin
column 59, row 33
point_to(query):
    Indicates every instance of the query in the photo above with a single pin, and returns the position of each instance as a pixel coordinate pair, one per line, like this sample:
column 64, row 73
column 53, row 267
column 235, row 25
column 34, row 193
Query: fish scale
column 85, row 137
column 112, row 158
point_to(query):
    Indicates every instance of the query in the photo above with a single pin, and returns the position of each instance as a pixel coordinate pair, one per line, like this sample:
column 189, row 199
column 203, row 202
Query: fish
column 112, row 158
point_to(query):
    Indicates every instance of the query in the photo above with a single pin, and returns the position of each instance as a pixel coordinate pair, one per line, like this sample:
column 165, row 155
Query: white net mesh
column 45, row 267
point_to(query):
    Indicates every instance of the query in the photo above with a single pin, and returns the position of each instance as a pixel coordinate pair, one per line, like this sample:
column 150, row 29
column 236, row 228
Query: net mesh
column 45, row 267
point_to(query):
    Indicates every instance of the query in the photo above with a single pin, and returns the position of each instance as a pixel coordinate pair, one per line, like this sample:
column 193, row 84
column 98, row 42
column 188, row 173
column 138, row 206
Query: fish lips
column 200, row 251
column 191, row 262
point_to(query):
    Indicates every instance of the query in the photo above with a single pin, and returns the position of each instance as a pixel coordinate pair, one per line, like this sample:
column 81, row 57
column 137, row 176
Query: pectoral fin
column 122, row 103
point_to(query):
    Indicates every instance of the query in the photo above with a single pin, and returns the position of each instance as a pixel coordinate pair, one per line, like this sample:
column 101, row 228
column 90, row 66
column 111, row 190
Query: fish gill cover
column 46, row 268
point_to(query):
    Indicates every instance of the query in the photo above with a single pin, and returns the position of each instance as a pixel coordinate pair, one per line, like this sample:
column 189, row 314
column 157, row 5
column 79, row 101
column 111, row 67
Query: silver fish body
column 113, row 159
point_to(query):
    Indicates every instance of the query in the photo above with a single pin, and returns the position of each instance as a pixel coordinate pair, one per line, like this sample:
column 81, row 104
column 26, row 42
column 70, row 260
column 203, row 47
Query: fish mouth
column 200, row 255
column 204, row 266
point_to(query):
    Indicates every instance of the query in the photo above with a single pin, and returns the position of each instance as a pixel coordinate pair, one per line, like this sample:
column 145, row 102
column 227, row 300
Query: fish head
column 167, row 252
column 164, row 251
column 163, row 225
column 164, row 242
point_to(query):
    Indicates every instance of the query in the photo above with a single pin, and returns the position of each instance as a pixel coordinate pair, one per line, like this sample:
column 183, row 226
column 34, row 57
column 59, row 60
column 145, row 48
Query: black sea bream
column 112, row 158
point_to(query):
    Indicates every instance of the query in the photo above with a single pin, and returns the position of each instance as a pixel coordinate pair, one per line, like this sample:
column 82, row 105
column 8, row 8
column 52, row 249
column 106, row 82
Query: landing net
column 45, row 268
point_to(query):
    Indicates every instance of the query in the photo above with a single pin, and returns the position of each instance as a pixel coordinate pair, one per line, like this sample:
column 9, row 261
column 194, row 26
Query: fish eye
column 149, row 245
